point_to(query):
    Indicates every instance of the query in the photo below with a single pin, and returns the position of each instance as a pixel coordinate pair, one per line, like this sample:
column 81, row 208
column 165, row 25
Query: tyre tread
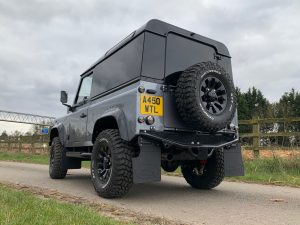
column 58, row 171
column 122, row 179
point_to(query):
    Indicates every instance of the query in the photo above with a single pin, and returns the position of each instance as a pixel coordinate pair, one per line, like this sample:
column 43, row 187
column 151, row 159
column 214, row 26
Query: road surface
column 229, row 203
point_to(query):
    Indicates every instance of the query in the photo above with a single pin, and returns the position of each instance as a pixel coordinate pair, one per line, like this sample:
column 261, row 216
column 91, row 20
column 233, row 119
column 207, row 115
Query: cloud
column 46, row 45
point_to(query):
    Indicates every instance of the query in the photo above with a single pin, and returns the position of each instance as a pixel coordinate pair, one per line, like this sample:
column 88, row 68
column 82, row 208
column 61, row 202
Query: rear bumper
column 192, row 139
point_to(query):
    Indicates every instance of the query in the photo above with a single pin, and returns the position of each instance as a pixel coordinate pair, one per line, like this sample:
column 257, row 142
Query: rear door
column 181, row 53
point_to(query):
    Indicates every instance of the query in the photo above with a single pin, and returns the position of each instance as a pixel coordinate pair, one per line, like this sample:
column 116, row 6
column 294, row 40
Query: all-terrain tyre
column 57, row 168
column 111, row 165
column 205, row 97
column 213, row 173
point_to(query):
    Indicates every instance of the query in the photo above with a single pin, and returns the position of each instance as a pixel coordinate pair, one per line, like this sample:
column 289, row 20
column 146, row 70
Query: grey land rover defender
column 161, row 98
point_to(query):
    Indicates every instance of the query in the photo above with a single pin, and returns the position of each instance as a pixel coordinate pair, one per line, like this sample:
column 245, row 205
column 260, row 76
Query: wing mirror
column 64, row 99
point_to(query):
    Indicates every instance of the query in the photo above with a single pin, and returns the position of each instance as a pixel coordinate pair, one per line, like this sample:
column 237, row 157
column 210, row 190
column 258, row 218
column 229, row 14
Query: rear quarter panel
column 123, row 100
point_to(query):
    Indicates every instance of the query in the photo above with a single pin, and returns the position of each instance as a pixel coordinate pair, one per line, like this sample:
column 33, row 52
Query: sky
column 46, row 45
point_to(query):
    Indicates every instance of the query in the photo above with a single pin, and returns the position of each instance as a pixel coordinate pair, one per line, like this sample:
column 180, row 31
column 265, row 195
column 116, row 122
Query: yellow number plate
column 151, row 105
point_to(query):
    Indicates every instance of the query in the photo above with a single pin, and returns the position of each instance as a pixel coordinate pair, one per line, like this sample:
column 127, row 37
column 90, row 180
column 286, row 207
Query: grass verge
column 19, row 207
column 30, row 158
column 24, row 157
column 278, row 171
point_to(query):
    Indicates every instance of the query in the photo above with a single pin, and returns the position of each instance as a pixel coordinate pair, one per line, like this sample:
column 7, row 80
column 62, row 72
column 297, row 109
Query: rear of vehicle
column 188, row 93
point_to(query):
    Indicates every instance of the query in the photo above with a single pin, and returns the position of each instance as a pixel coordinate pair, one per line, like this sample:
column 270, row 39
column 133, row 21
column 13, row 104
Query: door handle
column 82, row 115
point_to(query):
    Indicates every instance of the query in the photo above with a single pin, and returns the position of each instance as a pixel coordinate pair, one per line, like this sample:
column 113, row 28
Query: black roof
column 163, row 28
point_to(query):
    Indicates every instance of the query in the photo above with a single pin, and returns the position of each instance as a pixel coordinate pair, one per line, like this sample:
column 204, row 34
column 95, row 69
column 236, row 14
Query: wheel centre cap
column 212, row 95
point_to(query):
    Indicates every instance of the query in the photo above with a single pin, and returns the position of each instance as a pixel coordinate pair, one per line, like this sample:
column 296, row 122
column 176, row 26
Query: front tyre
column 111, row 165
column 213, row 173
column 57, row 168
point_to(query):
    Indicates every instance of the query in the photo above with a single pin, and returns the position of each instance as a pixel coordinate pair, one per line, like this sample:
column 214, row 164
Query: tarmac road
column 229, row 203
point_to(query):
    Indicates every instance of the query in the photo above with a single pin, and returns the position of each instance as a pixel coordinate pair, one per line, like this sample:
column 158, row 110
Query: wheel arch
column 57, row 131
column 114, row 119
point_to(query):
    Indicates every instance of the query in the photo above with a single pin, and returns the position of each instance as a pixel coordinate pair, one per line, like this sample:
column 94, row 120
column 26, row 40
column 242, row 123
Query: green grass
column 24, row 208
column 24, row 157
column 31, row 158
column 280, row 171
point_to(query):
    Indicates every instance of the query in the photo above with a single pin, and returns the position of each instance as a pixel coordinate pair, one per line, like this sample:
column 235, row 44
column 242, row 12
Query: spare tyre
column 205, row 97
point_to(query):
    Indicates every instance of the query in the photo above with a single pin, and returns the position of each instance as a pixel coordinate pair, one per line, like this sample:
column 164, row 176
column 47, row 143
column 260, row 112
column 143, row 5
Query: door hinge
column 164, row 88
column 168, row 88
column 217, row 57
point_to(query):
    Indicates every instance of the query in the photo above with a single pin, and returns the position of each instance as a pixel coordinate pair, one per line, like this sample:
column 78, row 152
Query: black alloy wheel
column 103, row 162
column 213, row 95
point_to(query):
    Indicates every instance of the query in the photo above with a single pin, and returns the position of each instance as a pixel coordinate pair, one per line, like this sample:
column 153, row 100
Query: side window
column 85, row 89
column 121, row 67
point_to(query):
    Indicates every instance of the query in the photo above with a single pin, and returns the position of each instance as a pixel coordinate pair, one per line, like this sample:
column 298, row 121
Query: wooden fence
column 270, row 134
column 27, row 144
column 254, row 135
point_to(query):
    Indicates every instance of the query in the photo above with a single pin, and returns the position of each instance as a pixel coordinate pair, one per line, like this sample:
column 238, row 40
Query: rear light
column 141, row 119
column 150, row 120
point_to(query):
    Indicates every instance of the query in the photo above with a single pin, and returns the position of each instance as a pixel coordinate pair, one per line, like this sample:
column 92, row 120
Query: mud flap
column 146, row 167
column 233, row 161
column 71, row 163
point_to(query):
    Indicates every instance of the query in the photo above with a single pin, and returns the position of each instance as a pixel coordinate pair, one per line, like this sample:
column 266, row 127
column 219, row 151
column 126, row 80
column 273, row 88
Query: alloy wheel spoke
column 103, row 162
column 213, row 93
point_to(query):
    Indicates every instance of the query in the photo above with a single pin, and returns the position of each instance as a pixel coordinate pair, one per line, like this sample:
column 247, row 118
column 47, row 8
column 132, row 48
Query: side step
column 81, row 155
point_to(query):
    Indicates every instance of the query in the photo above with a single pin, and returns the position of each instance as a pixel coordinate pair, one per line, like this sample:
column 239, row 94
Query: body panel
column 77, row 126
column 120, row 104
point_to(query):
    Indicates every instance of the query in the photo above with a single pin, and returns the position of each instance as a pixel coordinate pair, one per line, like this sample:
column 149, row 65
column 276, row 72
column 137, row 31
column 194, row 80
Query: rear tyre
column 213, row 173
column 57, row 160
column 111, row 165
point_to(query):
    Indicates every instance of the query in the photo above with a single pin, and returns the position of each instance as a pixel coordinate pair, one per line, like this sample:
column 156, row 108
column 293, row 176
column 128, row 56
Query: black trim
column 192, row 140
column 150, row 79
column 81, row 155
column 75, row 104
column 116, row 88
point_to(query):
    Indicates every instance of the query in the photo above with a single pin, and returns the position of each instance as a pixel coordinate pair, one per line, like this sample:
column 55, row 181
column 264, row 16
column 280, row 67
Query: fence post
column 20, row 144
column 256, row 131
column 32, row 144
column 8, row 144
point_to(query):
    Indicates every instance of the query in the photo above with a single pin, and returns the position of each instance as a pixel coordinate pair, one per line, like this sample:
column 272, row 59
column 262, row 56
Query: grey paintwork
column 151, row 57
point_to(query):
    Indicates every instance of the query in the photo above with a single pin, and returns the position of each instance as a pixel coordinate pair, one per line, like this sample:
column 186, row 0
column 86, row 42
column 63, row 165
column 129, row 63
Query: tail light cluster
column 148, row 119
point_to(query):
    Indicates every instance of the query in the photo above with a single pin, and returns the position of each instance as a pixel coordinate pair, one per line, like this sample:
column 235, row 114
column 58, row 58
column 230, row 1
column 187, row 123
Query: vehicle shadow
column 165, row 190
column 160, row 191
